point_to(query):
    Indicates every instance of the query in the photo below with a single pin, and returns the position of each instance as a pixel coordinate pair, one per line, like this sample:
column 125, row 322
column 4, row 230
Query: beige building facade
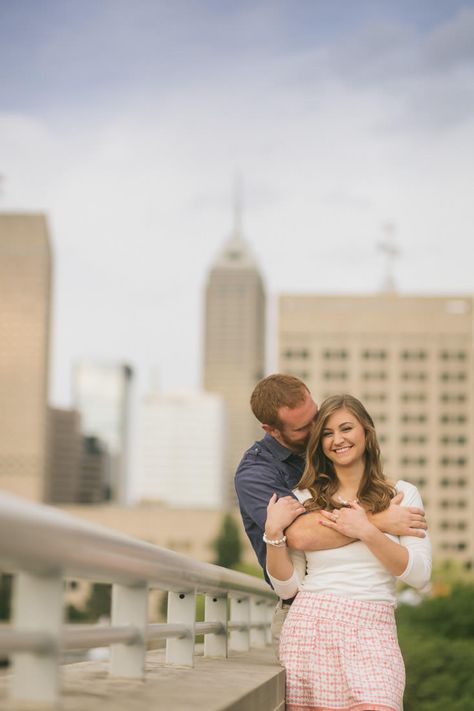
column 25, row 286
column 234, row 346
column 410, row 360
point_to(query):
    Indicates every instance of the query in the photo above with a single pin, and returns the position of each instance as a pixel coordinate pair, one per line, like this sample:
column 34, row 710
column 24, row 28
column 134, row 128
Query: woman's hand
column 280, row 514
column 351, row 522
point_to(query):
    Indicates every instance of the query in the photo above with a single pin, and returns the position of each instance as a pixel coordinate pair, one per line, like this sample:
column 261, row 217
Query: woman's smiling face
column 343, row 439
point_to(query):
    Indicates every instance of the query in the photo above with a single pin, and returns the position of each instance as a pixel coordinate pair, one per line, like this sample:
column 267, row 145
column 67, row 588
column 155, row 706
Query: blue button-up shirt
column 266, row 468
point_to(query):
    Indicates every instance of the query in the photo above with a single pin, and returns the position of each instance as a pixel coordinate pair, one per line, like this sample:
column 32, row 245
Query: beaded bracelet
column 278, row 543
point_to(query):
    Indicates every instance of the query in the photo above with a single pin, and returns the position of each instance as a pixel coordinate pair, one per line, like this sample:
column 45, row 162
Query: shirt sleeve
column 418, row 570
column 255, row 483
column 288, row 588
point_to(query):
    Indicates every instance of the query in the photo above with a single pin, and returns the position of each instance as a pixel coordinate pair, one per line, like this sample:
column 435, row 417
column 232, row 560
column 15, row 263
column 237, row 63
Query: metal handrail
column 42, row 546
column 42, row 539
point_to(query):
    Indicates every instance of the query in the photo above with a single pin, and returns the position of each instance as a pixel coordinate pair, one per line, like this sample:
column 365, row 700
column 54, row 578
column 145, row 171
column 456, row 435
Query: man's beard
column 297, row 447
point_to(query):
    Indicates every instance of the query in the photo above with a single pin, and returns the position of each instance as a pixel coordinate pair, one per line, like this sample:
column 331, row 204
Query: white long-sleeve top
column 353, row 570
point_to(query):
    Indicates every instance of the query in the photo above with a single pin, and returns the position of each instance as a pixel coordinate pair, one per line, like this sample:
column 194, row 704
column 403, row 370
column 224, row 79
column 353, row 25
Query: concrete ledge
column 244, row 682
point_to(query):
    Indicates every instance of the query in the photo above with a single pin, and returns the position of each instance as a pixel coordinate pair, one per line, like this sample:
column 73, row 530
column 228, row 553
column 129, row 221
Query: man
column 275, row 464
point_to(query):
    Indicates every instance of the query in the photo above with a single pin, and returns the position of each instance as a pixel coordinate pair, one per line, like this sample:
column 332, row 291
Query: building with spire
column 234, row 342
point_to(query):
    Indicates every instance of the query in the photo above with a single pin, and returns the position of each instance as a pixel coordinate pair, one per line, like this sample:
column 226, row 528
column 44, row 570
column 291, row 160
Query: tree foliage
column 99, row 602
column 437, row 642
column 5, row 596
column 227, row 545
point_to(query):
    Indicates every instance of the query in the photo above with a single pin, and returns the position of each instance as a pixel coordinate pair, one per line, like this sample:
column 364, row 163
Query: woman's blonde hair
column 319, row 476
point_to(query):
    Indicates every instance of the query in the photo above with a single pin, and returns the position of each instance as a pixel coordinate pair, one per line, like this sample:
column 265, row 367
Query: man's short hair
column 272, row 393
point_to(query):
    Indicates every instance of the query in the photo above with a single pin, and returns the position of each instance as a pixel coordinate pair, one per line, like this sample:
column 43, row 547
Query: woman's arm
column 280, row 565
column 409, row 560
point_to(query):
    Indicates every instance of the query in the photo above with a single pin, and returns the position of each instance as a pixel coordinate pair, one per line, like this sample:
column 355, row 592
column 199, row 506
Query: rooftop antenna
column 238, row 206
column 389, row 248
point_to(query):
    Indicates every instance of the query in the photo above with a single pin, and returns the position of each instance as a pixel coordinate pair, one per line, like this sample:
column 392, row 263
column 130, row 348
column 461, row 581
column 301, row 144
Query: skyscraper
column 409, row 359
column 234, row 343
column 25, row 287
column 101, row 393
column 78, row 466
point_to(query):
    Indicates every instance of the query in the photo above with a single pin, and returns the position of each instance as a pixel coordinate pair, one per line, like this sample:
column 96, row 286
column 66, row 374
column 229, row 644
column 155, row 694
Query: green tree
column 98, row 602
column 449, row 616
column 437, row 643
column 227, row 545
column 5, row 596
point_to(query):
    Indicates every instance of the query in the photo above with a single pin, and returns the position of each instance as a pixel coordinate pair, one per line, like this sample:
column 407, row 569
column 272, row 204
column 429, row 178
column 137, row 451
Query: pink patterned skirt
column 341, row 655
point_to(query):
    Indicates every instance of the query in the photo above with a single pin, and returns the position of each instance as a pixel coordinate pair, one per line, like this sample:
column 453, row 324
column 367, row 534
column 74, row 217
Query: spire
column 389, row 247
column 236, row 253
column 238, row 206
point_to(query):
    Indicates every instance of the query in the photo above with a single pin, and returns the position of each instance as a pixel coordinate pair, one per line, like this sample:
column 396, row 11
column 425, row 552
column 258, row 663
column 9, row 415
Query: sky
column 126, row 122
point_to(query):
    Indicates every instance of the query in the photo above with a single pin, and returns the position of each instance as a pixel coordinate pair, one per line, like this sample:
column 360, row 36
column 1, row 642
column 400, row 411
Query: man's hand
column 280, row 514
column 401, row 520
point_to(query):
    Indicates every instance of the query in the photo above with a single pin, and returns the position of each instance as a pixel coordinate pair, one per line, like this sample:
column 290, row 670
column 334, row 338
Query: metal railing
column 42, row 546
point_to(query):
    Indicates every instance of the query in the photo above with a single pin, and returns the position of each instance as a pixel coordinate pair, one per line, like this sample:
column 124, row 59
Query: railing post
column 215, row 610
column 129, row 607
column 257, row 616
column 38, row 607
column 181, row 608
column 269, row 612
column 240, row 613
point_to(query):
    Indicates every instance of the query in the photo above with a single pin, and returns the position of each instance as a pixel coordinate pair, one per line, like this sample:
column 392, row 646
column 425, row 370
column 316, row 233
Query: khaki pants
column 279, row 616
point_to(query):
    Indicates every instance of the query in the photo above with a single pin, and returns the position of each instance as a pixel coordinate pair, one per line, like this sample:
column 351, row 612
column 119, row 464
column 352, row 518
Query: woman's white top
column 352, row 570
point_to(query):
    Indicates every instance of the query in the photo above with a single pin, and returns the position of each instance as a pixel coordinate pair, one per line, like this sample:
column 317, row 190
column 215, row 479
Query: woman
column 339, row 643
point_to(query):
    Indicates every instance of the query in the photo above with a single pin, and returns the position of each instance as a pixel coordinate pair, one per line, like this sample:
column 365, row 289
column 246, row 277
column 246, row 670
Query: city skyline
column 125, row 125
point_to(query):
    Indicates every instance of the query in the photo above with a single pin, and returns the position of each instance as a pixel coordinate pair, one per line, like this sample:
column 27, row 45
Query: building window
column 453, row 355
column 335, row 354
column 413, row 397
column 452, row 419
column 374, row 375
column 413, row 461
column 374, row 397
column 413, row 419
column 452, row 461
column 460, row 376
column 413, row 355
column 446, row 439
column 413, row 375
column 296, row 353
column 335, row 375
column 374, row 354
column 413, row 439
column 453, row 397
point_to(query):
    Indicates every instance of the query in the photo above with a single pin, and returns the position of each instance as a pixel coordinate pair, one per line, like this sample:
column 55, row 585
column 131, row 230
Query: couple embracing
column 333, row 535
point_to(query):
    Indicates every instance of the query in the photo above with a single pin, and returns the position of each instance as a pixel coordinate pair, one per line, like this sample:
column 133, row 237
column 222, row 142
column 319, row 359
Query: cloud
column 333, row 139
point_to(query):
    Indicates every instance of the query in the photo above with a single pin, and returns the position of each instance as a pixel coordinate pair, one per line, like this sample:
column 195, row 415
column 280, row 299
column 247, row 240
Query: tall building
column 78, row 466
column 101, row 393
column 94, row 470
column 64, row 456
column 25, row 291
column 182, row 450
column 234, row 343
column 410, row 360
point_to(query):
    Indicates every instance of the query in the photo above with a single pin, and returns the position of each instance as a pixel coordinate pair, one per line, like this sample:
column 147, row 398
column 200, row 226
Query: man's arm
column 307, row 534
